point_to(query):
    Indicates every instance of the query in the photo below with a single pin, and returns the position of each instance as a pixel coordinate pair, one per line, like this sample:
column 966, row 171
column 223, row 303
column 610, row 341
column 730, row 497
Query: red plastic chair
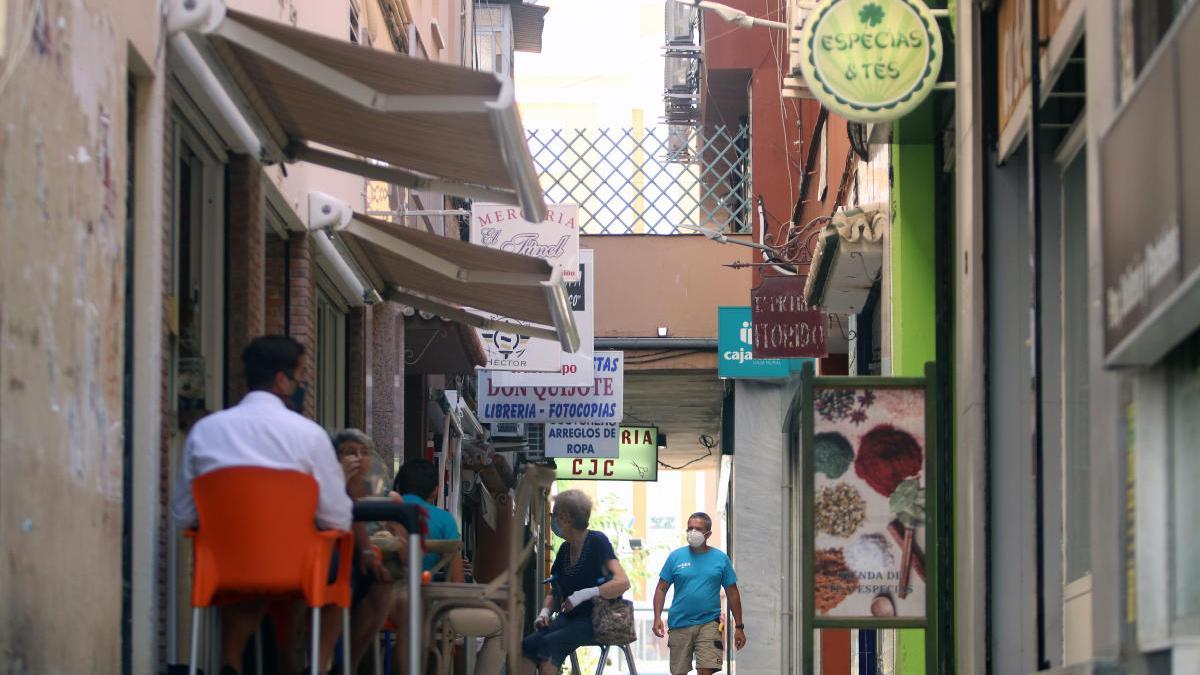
column 258, row 539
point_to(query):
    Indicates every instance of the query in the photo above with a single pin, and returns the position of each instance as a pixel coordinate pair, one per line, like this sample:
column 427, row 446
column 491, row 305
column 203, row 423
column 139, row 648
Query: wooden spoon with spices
column 905, row 561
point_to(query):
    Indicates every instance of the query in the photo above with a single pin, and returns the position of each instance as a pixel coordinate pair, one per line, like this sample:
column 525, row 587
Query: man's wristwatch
column 740, row 626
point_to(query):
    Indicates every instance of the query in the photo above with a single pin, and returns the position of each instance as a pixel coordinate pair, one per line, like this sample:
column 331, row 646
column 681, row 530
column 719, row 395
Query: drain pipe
column 1035, row 232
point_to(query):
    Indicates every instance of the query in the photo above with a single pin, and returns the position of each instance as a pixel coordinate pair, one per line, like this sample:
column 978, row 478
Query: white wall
column 757, row 524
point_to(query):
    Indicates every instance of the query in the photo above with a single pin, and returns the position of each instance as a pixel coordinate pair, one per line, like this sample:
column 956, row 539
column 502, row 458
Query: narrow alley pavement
column 827, row 337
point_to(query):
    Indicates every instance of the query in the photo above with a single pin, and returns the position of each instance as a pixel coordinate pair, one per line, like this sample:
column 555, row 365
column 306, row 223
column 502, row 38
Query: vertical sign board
column 575, row 369
column 601, row 401
column 784, row 326
column 555, row 240
column 1150, row 235
column 637, row 460
column 735, row 355
column 868, row 456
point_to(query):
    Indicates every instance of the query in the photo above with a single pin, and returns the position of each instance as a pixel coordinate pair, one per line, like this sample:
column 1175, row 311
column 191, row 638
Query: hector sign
column 785, row 327
column 871, row 60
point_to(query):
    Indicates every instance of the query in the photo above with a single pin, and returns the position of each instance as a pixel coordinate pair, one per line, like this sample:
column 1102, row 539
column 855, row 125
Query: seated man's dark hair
column 416, row 477
column 267, row 355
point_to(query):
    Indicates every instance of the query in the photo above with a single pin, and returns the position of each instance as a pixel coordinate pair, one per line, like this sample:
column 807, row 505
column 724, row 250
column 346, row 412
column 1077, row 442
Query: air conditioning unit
column 678, row 143
column 795, row 85
column 680, row 23
column 508, row 429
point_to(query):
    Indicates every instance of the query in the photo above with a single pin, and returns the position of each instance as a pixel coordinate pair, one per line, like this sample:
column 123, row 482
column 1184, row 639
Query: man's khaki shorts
column 703, row 640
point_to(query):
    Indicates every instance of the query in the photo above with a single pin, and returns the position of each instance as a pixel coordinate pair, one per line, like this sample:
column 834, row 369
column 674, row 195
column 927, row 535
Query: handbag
column 612, row 621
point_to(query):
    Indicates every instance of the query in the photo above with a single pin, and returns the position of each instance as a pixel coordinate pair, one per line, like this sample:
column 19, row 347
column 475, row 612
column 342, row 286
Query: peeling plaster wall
column 62, row 294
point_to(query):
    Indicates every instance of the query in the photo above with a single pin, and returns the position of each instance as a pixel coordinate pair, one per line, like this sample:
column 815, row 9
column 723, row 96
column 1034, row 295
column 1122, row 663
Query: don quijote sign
column 783, row 325
column 601, row 401
column 555, row 239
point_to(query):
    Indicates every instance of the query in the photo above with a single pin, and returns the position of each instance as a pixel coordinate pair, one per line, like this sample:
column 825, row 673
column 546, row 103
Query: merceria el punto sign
column 637, row 459
column 871, row 60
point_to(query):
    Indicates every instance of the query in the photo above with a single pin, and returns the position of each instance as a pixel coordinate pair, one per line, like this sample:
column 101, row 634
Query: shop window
column 355, row 23
column 1152, row 19
column 195, row 310
column 330, row 377
column 493, row 39
column 1184, row 401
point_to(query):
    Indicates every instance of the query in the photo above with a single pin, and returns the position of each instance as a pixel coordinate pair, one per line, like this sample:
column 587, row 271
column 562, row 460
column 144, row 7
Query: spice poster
column 867, row 453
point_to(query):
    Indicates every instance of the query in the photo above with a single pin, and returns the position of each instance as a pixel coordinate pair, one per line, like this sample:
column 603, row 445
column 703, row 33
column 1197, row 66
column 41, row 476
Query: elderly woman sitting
column 583, row 561
column 372, row 589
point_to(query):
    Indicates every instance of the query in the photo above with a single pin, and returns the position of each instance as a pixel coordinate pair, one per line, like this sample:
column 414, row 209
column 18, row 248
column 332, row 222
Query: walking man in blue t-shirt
column 698, row 572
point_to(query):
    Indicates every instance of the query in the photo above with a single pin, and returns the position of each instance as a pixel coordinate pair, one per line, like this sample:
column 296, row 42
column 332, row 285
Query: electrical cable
column 705, row 440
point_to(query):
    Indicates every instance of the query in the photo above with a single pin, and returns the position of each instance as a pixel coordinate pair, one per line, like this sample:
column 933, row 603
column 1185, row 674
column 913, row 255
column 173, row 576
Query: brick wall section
column 246, row 261
column 357, row 324
column 386, row 402
column 302, row 292
column 275, row 284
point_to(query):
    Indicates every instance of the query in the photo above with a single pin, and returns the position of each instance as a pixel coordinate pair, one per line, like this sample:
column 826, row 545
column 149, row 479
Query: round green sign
column 871, row 60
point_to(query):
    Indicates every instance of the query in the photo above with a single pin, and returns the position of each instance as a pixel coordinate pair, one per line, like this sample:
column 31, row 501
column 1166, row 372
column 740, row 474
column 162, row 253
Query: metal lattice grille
column 650, row 181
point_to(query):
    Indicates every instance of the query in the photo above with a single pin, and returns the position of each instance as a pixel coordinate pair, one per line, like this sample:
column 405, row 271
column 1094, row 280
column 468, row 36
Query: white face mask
column 695, row 538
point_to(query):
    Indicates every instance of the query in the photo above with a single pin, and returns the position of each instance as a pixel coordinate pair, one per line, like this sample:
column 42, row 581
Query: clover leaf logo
column 871, row 14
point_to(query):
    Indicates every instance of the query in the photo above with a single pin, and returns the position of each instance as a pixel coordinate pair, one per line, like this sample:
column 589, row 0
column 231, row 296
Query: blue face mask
column 556, row 529
column 297, row 398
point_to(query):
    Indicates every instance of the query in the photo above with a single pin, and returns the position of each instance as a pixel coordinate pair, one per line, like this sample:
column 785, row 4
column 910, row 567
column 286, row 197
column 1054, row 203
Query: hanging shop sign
column 514, row 351
column 735, row 349
column 871, row 60
column 574, row 369
column 870, row 503
column 1013, row 90
column 1150, row 236
column 784, row 326
column 601, row 401
column 555, row 240
column 582, row 440
column 637, row 459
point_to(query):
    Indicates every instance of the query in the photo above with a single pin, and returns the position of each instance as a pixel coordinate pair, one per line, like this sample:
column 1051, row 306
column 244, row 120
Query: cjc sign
column 637, row 459
column 784, row 326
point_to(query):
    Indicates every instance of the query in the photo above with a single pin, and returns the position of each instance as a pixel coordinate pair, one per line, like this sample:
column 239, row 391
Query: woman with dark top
column 584, row 568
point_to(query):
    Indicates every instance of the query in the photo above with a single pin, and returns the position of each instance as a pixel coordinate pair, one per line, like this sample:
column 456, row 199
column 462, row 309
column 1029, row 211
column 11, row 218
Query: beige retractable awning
column 421, row 124
column 444, row 276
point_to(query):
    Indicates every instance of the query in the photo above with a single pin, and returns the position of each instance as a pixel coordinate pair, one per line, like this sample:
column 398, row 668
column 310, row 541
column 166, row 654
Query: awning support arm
column 456, row 314
column 437, row 263
column 390, row 174
column 560, row 311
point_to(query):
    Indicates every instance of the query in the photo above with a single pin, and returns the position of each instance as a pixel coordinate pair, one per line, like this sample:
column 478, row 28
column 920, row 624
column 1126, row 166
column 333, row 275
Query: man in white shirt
column 261, row 431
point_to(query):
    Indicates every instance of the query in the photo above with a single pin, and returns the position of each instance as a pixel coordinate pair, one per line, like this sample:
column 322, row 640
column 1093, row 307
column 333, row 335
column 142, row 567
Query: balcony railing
column 648, row 181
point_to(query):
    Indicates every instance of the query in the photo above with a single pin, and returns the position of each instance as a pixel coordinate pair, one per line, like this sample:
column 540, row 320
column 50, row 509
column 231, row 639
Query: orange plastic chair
column 257, row 539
